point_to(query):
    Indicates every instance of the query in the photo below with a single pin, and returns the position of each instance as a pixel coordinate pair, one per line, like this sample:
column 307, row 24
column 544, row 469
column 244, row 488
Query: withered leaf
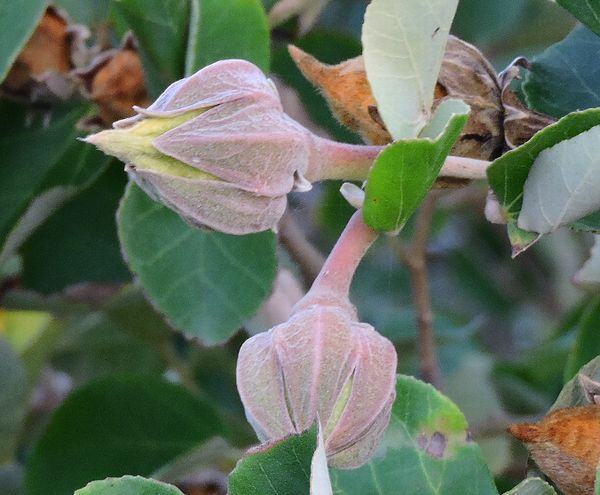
column 566, row 446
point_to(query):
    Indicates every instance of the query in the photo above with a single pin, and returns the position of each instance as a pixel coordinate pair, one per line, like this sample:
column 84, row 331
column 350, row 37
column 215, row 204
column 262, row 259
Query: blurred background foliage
column 82, row 352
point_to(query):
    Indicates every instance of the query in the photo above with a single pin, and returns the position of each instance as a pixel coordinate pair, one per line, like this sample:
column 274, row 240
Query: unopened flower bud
column 217, row 148
column 322, row 364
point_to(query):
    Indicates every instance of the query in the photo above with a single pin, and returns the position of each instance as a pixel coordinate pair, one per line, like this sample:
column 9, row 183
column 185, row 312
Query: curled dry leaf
column 566, row 446
column 42, row 69
column 498, row 118
column 115, row 82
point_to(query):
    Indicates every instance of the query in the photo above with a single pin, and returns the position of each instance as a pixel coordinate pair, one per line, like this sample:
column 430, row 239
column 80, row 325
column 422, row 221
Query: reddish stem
column 337, row 272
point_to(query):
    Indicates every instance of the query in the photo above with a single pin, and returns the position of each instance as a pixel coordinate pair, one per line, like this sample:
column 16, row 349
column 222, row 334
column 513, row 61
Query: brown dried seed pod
column 48, row 51
column 566, row 447
column 520, row 123
column 115, row 82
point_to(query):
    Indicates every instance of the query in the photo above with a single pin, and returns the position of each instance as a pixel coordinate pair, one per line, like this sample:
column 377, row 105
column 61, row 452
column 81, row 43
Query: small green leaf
column 532, row 486
column 587, row 343
column 116, row 426
column 403, row 47
column 591, row 223
column 587, row 11
column 18, row 21
column 566, row 76
column 281, row 468
column 508, row 174
column 161, row 28
column 426, row 451
column 405, row 171
column 206, row 283
column 224, row 29
column 128, row 485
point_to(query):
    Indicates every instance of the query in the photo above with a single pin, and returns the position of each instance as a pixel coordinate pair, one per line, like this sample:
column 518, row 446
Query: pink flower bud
column 218, row 149
column 322, row 364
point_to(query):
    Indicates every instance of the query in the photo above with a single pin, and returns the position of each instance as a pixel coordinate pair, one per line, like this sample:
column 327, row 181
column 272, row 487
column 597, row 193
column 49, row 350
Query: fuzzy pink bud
column 217, row 148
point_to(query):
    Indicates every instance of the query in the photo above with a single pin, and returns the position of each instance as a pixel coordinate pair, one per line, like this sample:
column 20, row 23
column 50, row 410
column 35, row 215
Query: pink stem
column 332, row 160
column 337, row 272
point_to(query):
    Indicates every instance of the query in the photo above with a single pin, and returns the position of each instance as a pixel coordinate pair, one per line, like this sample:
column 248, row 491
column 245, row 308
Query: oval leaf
column 403, row 47
column 426, row 451
column 223, row 29
column 117, row 426
column 205, row 283
column 405, row 171
column 276, row 468
column 128, row 485
column 563, row 184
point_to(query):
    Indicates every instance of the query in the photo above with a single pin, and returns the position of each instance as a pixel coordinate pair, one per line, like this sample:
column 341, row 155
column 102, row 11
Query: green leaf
column 224, row 29
column 206, row 283
column 508, row 174
column 161, row 28
column 587, row 343
column 116, row 426
column 425, row 451
column 128, row 485
column 281, row 468
column 69, row 248
column 573, row 393
column 587, row 11
column 405, row 171
column 532, row 486
column 13, row 398
column 43, row 166
column 91, row 12
column 588, row 277
column 563, row 184
column 591, row 223
column 18, row 21
column 403, row 47
column 565, row 78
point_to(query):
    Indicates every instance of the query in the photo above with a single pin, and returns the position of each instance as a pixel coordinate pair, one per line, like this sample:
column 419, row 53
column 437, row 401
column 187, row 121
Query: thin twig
column 308, row 257
column 415, row 257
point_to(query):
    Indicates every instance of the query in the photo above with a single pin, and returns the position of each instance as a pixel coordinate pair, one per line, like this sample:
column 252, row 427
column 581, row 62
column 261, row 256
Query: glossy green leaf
column 532, row 486
column 70, row 249
column 403, row 47
column 426, row 450
column 161, row 28
column 43, row 166
column 18, row 20
column 587, row 343
column 566, row 76
column 281, row 468
column 223, row 29
column 13, row 398
column 508, row 174
column 128, row 485
column 587, row 11
column 116, row 426
column 206, row 283
column 405, row 171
